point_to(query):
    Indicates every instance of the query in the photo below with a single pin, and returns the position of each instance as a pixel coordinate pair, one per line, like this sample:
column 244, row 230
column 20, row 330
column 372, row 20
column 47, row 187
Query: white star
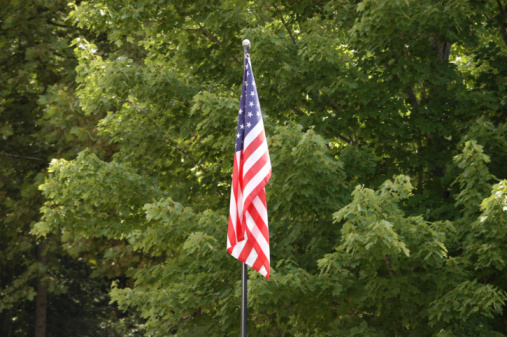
column 250, row 114
column 253, row 83
column 246, row 66
column 238, row 135
column 247, row 73
column 258, row 113
column 251, row 104
column 240, row 111
column 246, row 83
column 252, row 93
column 242, row 126
column 249, row 124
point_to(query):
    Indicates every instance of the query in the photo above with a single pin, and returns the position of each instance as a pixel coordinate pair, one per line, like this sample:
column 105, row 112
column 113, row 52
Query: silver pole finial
column 246, row 47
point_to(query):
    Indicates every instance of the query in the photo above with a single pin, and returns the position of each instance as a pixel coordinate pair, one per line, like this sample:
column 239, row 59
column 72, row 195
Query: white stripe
column 257, row 235
column 233, row 210
column 238, row 157
column 252, row 258
column 241, row 203
column 263, row 271
column 254, row 157
column 256, row 180
column 258, row 128
column 238, row 248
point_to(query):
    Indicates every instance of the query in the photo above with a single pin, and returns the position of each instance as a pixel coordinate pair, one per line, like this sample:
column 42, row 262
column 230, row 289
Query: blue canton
column 250, row 109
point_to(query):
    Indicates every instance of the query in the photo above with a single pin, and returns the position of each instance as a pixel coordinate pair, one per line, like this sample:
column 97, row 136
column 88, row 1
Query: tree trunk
column 6, row 328
column 41, row 301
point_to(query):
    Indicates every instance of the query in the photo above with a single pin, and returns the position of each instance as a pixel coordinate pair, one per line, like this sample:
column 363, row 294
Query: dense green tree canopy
column 386, row 129
column 42, row 290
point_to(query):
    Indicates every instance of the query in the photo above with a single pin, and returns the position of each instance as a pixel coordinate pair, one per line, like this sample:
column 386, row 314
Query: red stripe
column 261, row 137
column 257, row 264
column 231, row 234
column 236, row 183
column 245, row 252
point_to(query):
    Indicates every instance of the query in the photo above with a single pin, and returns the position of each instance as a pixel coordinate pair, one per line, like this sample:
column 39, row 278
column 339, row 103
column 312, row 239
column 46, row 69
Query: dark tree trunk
column 6, row 328
column 41, row 300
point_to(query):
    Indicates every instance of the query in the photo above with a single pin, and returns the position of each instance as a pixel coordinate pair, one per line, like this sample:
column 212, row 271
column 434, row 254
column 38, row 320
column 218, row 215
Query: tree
column 39, row 120
column 386, row 127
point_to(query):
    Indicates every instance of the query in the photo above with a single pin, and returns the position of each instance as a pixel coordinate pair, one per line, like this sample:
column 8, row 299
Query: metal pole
column 244, row 274
column 244, row 278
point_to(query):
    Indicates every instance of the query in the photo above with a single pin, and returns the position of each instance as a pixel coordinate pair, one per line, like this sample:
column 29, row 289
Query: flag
column 248, row 234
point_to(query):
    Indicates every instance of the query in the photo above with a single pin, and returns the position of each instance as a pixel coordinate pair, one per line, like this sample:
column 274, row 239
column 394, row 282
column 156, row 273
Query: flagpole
column 244, row 278
column 244, row 274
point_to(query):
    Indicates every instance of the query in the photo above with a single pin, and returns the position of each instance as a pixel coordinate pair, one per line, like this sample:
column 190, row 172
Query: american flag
column 248, row 234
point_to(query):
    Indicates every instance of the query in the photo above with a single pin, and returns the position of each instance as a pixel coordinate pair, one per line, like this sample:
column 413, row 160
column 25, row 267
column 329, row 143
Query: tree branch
column 339, row 108
column 61, row 25
column 413, row 99
column 502, row 10
column 388, row 266
column 211, row 36
column 352, row 312
column 503, row 30
column 285, row 25
column 296, row 110
column 17, row 156
column 205, row 32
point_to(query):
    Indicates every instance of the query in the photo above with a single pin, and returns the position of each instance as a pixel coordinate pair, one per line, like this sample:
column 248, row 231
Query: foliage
column 386, row 128
column 40, row 118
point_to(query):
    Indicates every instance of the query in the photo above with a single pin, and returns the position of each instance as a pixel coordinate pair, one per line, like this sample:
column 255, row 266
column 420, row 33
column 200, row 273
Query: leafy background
column 387, row 135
